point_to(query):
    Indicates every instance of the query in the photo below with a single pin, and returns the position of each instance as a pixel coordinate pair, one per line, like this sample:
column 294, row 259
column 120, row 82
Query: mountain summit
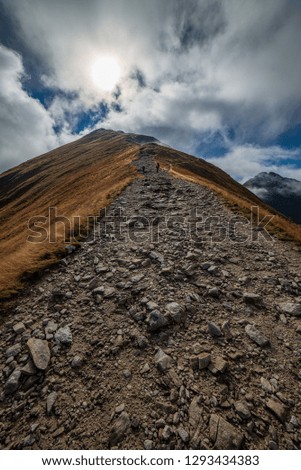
column 284, row 194
column 171, row 322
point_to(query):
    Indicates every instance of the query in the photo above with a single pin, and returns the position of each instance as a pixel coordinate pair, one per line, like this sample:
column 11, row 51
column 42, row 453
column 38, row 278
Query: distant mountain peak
column 284, row 194
column 270, row 174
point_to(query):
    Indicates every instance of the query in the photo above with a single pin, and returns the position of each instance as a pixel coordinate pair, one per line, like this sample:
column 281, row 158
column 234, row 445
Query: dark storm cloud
column 140, row 77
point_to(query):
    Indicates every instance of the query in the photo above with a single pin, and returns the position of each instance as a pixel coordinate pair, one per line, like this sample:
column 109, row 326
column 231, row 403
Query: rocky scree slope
column 175, row 342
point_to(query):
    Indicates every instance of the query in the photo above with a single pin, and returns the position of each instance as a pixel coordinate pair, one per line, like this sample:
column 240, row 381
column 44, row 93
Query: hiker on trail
column 158, row 167
column 143, row 170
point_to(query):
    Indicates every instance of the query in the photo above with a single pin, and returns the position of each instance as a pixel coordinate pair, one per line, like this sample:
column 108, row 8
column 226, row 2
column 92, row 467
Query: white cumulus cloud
column 245, row 161
column 26, row 128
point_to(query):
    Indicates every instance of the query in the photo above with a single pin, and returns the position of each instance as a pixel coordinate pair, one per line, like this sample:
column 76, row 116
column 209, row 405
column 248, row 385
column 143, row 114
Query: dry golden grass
column 237, row 197
column 79, row 179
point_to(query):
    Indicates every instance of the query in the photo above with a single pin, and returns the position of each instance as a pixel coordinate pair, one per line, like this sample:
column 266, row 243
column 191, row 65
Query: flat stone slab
column 291, row 308
column 29, row 368
column 223, row 434
column 242, row 409
column 256, row 336
column 51, row 399
column 13, row 351
column 40, row 352
column 204, row 360
column 252, row 299
column 119, row 428
column 214, row 329
column 19, row 328
column 218, row 365
column 278, row 409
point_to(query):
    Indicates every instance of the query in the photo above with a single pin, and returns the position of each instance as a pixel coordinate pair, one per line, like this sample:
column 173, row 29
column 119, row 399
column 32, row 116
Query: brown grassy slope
column 238, row 197
column 79, row 179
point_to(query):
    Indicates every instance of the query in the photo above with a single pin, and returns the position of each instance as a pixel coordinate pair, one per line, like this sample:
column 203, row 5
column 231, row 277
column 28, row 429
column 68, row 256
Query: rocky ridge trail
column 154, row 338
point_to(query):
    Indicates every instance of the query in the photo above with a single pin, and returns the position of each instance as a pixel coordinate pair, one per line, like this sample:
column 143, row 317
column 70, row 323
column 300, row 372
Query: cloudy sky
column 217, row 78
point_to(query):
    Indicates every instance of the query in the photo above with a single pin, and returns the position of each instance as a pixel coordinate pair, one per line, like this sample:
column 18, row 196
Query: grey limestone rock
column 40, row 353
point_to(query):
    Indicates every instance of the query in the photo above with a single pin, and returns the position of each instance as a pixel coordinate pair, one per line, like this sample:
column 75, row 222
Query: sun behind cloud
column 105, row 73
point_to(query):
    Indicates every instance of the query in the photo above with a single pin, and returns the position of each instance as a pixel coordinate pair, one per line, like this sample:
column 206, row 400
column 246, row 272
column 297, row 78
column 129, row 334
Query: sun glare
column 106, row 73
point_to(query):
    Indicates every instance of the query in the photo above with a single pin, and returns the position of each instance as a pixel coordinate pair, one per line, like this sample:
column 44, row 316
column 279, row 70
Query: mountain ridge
column 84, row 177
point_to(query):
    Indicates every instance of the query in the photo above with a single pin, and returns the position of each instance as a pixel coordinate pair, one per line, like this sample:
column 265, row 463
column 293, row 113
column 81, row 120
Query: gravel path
column 171, row 328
